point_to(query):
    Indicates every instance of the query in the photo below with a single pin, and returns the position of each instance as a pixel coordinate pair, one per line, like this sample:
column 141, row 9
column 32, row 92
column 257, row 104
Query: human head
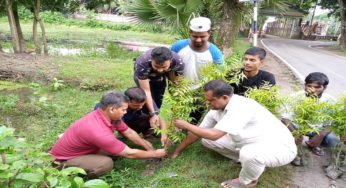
column 200, row 32
column 114, row 105
column 253, row 59
column 137, row 98
column 316, row 83
column 217, row 94
column 161, row 58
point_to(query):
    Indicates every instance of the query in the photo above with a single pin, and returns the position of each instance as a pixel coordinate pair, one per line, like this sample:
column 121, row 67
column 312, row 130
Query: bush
column 52, row 17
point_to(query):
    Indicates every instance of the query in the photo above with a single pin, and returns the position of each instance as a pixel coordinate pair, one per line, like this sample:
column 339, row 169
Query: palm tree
column 225, row 14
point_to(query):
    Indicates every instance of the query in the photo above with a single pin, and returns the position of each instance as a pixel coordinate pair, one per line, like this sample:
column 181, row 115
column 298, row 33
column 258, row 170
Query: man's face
column 118, row 113
column 251, row 63
column 161, row 68
column 314, row 89
column 199, row 40
column 134, row 105
column 215, row 103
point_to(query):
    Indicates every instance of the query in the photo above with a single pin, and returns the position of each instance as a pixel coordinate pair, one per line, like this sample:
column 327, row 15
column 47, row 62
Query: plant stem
column 3, row 158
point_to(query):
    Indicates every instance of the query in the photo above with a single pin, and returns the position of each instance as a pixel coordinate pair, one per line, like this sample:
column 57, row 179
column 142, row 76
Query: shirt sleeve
column 121, row 127
column 216, row 54
column 178, row 65
column 208, row 120
column 142, row 67
column 109, row 144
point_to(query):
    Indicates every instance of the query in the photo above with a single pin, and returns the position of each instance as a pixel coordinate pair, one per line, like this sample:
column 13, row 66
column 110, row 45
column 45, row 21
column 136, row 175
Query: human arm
column 164, row 138
column 190, row 139
column 141, row 154
column 207, row 133
column 135, row 138
column 154, row 119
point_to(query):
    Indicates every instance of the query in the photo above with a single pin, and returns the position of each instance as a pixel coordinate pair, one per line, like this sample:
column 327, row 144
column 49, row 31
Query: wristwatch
column 151, row 114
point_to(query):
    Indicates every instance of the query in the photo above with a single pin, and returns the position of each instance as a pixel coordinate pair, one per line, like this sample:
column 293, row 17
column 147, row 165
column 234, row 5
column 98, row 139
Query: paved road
column 302, row 57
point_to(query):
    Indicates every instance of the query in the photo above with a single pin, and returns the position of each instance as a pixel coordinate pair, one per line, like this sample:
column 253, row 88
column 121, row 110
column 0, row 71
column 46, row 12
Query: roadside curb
column 297, row 74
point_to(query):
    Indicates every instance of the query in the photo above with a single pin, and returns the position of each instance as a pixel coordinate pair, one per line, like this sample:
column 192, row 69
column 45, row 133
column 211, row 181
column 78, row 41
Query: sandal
column 318, row 151
column 234, row 183
column 315, row 150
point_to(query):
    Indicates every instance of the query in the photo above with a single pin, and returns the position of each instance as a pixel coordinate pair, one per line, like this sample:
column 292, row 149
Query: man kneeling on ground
column 240, row 129
column 89, row 143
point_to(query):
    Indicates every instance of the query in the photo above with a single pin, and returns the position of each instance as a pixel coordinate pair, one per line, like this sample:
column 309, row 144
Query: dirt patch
column 26, row 67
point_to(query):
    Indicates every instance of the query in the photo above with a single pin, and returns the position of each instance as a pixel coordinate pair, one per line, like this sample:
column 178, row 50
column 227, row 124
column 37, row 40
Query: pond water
column 61, row 50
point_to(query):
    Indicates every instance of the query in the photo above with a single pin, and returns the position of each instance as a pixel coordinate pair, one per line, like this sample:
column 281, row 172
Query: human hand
column 148, row 146
column 181, row 124
column 164, row 141
column 159, row 153
column 154, row 121
column 174, row 155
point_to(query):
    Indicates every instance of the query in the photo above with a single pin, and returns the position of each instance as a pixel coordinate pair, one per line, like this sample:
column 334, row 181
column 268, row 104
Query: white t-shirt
column 245, row 121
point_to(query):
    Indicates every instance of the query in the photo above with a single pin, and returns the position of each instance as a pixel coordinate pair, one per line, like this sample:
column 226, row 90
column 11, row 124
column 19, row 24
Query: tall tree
column 226, row 18
column 37, row 19
column 338, row 9
column 18, row 41
column 343, row 23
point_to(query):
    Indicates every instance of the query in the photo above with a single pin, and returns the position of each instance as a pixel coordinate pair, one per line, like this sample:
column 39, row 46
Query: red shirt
column 89, row 135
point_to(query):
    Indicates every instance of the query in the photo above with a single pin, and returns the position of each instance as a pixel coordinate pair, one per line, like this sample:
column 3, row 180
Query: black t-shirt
column 143, row 69
column 254, row 82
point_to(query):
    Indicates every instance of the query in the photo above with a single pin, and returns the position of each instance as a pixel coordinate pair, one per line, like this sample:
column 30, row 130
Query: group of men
column 236, row 127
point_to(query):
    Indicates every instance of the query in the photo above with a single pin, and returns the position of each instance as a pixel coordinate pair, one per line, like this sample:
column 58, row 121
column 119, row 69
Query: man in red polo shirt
column 90, row 143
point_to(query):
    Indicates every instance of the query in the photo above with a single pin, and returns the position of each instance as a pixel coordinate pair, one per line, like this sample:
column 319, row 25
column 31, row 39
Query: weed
column 57, row 84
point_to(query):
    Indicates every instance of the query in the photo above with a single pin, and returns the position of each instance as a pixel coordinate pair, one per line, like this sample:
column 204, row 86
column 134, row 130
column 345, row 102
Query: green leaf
column 4, row 166
column 79, row 181
column 72, row 170
column 96, row 183
column 31, row 177
column 53, row 181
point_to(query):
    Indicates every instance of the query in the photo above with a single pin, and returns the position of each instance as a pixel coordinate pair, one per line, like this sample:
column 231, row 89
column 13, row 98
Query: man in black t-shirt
column 151, row 70
column 254, row 77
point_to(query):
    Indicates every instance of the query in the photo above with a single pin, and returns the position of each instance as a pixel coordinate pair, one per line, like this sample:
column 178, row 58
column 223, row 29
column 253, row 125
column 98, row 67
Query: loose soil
column 29, row 67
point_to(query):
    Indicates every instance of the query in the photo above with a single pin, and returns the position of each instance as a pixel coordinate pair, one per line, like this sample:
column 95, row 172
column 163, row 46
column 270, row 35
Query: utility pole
column 254, row 42
column 254, row 21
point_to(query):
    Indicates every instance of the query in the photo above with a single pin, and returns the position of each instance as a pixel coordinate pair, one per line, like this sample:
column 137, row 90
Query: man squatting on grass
column 240, row 129
column 136, row 117
column 315, row 85
column 89, row 143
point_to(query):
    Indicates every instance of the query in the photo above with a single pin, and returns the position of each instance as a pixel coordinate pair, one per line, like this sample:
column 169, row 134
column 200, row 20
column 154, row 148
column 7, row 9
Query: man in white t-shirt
column 240, row 129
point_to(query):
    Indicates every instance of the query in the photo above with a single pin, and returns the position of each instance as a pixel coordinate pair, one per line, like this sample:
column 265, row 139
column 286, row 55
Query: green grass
column 75, row 33
column 40, row 114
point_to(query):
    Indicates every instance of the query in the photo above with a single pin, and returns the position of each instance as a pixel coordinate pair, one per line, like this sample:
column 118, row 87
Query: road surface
column 304, row 57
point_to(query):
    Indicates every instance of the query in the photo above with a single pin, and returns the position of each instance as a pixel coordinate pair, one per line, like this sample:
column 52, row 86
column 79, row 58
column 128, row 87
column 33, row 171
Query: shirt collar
column 102, row 117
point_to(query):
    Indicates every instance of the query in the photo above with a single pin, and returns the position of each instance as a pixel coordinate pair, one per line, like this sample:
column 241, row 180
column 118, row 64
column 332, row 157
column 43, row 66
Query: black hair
column 113, row 99
column 136, row 94
column 219, row 88
column 161, row 54
column 256, row 51
column 318, row 77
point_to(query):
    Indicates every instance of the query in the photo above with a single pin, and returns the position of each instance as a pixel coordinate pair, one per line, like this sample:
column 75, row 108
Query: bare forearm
column 209, row 134
column 190, row 139
column 140, row 154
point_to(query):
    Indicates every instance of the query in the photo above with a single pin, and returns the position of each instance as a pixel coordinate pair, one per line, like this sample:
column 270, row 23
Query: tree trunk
column 229, row 25
column 12, row 23
column 37, row 19
column 343, row 24
column 1, row 48
column 19, row 29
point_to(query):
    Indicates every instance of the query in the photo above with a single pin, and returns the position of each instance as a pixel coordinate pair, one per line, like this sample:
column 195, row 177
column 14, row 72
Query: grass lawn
column 40, row 114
